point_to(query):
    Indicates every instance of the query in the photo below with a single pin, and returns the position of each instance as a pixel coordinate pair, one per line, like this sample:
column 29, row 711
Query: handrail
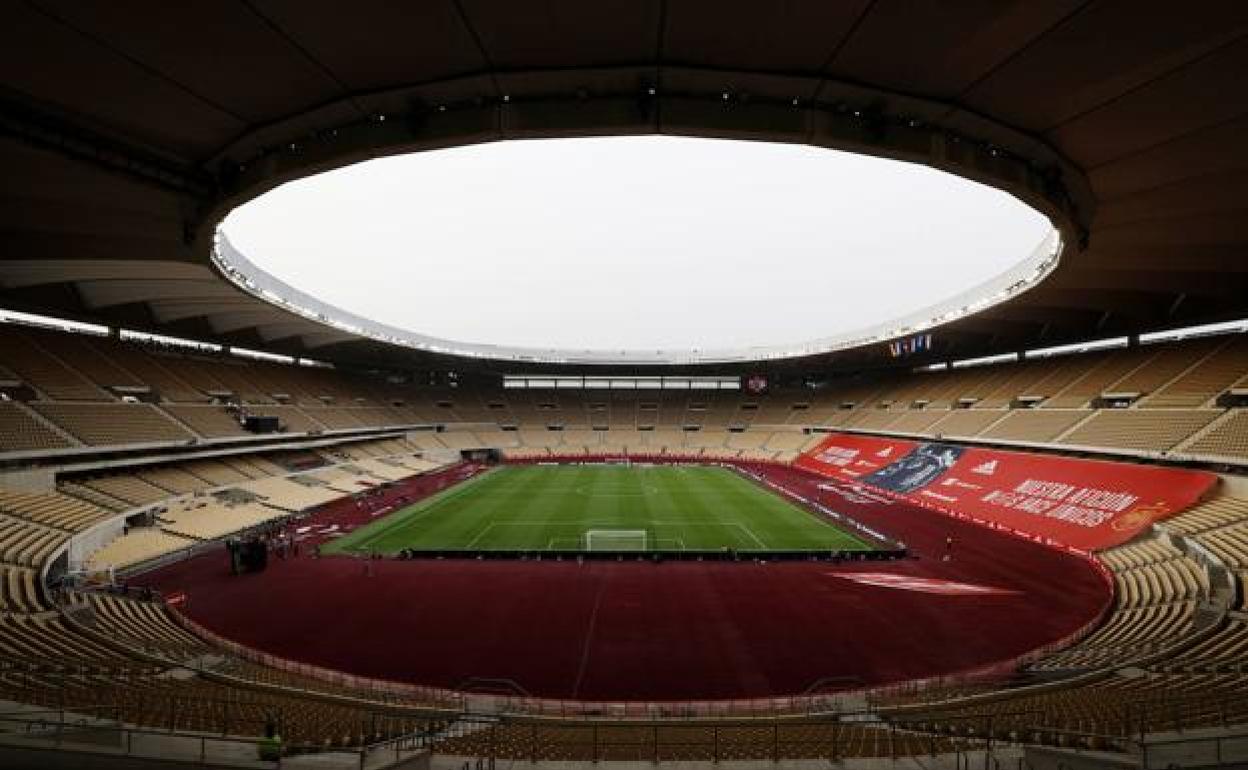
column 65, row 722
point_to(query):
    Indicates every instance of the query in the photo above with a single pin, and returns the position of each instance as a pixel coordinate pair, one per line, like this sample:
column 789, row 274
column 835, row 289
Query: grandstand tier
column 1171, row 399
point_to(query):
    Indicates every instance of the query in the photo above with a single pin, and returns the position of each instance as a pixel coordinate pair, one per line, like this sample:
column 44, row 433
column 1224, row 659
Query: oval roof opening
column 658, row 244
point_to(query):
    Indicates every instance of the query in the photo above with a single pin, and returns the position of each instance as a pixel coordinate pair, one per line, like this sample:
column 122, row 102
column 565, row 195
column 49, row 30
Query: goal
column 616, row 540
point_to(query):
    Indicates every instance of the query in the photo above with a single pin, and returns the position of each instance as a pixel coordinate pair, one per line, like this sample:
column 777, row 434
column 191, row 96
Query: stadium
column 244, row 526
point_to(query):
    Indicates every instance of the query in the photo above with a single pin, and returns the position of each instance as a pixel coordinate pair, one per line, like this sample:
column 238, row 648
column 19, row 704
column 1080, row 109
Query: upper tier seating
column 1215, row 374
column 1175, row 392
column 105, row 424
column 150, row 368
column 966, row 422
column 90, row 357
column 1036, row 425
column 42, row 371
column 21, row 430
column 1099, row 378
column 207, row 421
column 1156, row 430
column 1228, row 438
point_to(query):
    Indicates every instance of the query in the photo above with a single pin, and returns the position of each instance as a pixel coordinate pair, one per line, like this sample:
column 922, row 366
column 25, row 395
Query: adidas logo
column 985, row 469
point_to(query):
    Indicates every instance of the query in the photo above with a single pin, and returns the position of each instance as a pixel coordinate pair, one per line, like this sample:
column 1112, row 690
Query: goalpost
column 617, row 540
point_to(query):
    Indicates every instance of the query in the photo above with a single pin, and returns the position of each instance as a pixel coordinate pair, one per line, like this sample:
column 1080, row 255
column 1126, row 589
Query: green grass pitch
column 542, row 507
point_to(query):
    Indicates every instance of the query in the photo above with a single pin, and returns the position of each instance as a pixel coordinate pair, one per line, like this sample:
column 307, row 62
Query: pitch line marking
column 750, row 532
column 589, row 636
column 430, row 505
column 480, row 535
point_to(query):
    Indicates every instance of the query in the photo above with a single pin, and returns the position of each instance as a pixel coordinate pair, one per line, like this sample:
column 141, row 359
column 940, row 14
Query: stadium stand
column 21, row 430
column 137, row 546
column 1035, row 425
column 113, row 424
column 1227, row 437
column 51, row 509
column 131, row 490
column 1158, row 588
column 44, row 372
column 174, row 480
column 210, row 520
column 1153, row 430
column 1171, row 391
column 206, row 421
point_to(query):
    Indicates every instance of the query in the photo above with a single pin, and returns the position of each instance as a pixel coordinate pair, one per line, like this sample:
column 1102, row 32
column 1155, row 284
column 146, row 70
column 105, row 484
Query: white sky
column 639, row 243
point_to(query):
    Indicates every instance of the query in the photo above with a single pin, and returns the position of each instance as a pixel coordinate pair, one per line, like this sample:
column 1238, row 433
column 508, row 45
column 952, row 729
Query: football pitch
column 610, row 508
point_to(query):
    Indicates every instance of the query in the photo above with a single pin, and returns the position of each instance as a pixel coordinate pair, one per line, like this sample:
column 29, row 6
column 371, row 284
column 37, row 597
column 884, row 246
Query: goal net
column 616, row 540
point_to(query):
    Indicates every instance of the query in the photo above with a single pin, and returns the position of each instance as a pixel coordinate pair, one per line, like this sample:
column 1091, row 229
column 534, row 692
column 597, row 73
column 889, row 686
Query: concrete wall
column 29, row 479
column 1234, row 486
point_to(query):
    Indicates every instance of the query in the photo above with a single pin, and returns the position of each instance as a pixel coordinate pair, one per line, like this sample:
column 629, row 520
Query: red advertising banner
column 850, row 456
column 1082, row 504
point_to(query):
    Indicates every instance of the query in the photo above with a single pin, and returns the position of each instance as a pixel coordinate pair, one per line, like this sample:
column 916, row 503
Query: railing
column 100, row 730
column 972, row 741
column 973, row 738
column 1210, row 751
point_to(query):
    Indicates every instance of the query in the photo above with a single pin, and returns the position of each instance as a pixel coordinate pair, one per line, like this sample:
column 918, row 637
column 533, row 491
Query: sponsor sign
column 920, row 467
column 852, row 457
column 1082, row 504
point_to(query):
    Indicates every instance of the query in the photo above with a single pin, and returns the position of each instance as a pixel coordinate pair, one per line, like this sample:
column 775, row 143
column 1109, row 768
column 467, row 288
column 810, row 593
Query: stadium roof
column 128, row 131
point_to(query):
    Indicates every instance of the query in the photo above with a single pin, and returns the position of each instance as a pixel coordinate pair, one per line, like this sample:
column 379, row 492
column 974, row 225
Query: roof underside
column 128, row 130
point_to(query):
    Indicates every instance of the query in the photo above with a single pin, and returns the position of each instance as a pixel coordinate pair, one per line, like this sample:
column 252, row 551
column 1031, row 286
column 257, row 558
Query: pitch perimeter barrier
column 652, row 554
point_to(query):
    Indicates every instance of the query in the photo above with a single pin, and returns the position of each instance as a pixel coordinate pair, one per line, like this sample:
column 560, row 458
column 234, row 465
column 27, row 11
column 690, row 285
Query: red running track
column 672, row 631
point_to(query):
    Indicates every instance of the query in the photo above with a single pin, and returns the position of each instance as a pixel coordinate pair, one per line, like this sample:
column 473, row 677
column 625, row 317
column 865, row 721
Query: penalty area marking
column 719, row 524
column 750, row 532
column 576, row 546
column 645, row 491
column 488, row 528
